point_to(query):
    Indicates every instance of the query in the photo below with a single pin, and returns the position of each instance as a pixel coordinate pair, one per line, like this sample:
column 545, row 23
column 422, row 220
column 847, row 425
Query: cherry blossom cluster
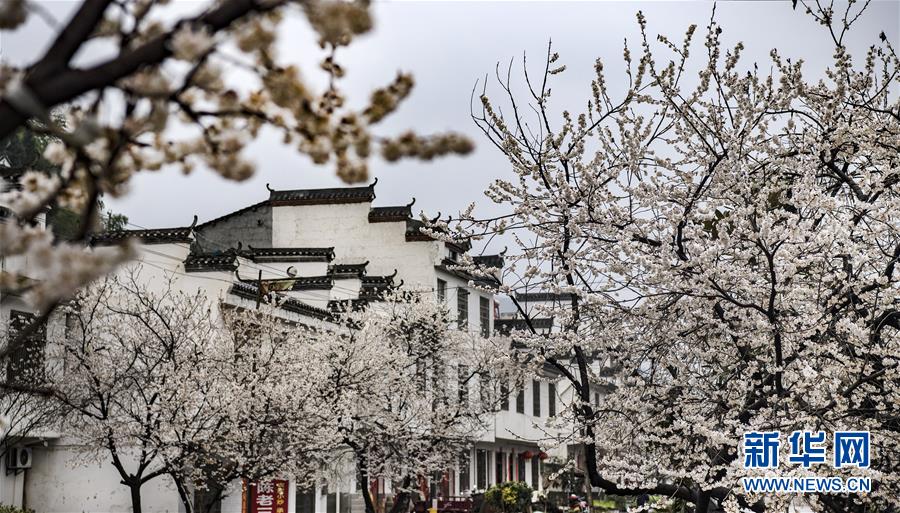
column 725, row 243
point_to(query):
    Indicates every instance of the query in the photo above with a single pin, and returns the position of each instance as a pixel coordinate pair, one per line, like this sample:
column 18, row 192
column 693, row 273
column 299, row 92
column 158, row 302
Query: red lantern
column 528, row 455
column 543, row 455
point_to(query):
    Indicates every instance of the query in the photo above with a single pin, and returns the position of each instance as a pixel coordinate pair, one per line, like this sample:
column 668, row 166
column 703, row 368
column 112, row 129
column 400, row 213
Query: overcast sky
column 448, row 46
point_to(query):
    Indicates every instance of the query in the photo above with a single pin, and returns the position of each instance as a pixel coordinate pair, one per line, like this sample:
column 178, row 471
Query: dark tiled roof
column 156, row 236
column 232, row 214
column 347, row 270
column 322, row 196
column 413, row 232
column 346, row 305
column 533, row 297
column 505, row 326
column 249, row 291
column 210, row 262
column 459, row 246
column 374, row 286
column 489, row 261
column 390, row 214
column 380, row 282
column 448, row 266
column 289, row 254
column 312, row 283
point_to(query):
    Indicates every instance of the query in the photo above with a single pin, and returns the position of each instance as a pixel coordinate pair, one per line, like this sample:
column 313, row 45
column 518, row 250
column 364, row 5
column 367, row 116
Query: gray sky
column 448, row 46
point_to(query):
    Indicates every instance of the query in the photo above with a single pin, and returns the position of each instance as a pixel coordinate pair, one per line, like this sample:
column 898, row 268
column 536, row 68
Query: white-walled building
column 336, row 247
column 389, row 241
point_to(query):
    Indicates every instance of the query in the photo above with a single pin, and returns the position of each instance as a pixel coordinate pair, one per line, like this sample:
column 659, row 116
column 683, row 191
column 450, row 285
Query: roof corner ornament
column 271, row 190
column 194, row 223
column 372, row 185
column 503, row 253
column 436, row 218
column 411, row 203
column 392, row 276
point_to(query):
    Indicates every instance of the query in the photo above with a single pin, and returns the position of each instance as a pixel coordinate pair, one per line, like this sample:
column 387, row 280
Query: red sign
column 268, row 496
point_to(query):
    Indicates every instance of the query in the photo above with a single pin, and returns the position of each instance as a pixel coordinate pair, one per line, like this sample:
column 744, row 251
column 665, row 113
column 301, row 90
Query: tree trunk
column 135, row 496
column 401, row 500
column 183, row 494
column 364, row 481
column 702, row 502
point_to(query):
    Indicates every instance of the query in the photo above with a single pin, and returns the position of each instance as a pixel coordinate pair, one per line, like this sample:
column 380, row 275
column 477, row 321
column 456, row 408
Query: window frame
column 484, row 316
column 441, row 290
column 551, row 399
column 462, row 309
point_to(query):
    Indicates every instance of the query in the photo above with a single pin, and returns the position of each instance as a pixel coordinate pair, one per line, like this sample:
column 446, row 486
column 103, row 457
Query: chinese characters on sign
column 761, row 449
column 849, row 449
column 268, row 496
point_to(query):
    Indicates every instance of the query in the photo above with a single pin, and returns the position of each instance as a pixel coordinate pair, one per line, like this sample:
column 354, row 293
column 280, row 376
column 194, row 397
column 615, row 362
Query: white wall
column 346, row 227
column 62, row 481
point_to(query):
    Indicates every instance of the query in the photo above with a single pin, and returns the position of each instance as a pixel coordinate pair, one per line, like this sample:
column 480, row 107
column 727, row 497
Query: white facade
column 309, row 235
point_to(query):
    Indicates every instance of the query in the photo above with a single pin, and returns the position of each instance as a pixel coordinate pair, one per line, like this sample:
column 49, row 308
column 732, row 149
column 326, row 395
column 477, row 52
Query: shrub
column 6, row 508
column 511, row 497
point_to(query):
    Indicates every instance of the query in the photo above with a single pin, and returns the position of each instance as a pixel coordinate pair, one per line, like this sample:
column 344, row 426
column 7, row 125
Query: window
column 464, row 471
column 504, row 396
column 25, row 364
column 596, row 398
column 462, row 309
column 520, row 400
column 441, row 290
column 306, row 499
column 551, row 396
column 520, row 475
column 536, row 398
column 498, row 467
column 535, row 472
column 484, row 316
column 481, row 469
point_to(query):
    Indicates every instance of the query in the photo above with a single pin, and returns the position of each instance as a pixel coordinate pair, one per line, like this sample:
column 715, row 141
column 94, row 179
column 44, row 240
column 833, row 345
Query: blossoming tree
column 166, row 383
column 166, row 100
column 160, row 384
column 405, row 393
column 728, row 240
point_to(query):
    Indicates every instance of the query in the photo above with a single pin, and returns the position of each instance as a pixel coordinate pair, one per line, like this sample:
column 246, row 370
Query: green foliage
column 605, row 504
column 510, row 497
column 23, row 151
column 66, row 225
column 6, row 508
column 112, row 222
